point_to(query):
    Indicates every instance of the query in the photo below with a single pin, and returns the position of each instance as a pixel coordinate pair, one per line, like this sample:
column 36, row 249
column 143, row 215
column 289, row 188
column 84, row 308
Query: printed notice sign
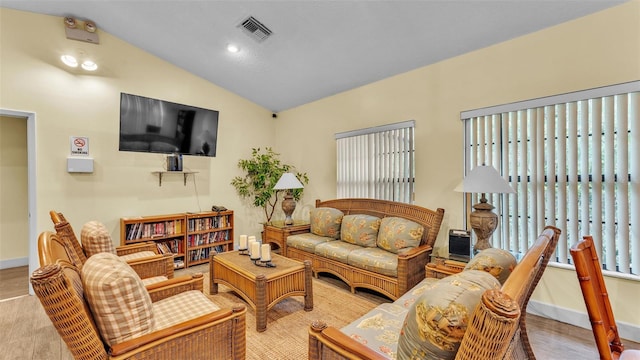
column 79, row 145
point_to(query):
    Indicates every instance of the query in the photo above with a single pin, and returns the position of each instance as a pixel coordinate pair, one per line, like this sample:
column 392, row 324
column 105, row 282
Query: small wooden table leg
column 308, row 286
column 213, row 286
column 261, row 303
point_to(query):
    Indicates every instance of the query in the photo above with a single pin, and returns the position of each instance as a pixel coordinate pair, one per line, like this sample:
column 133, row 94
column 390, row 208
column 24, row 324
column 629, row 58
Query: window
column 377, row 163
column 574, row 161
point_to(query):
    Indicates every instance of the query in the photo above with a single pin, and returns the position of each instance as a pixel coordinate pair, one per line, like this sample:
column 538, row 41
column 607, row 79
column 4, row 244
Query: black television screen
column 151, row 125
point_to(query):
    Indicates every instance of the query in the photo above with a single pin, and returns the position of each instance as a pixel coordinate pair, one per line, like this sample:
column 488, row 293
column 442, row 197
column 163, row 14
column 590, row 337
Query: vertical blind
column 377, row 163
column 574, row 161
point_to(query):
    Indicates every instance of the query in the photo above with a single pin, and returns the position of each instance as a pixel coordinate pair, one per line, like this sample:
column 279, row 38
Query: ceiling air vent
column 255, row 29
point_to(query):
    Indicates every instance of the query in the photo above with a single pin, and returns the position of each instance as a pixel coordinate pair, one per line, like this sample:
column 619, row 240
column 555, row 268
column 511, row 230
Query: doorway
column 30, row 119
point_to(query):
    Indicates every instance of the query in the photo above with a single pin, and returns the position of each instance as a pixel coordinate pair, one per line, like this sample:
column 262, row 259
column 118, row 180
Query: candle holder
column 243, row 252
column 260, row 262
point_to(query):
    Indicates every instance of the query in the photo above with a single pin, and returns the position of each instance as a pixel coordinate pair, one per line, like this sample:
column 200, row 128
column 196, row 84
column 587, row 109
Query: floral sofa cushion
column 398, row 235
column 307, row 241
column 436, row 322
column 326, row 222
column 374, row 259
column 379, row 329
column 498, row 262
column 336, row 250
column 360, row 229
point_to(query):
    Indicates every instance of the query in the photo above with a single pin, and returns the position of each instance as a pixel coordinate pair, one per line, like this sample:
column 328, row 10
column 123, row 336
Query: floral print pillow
column 436, row 322
column 360, row 229
column 497, row 262
column 398, row 235
column 326, row 222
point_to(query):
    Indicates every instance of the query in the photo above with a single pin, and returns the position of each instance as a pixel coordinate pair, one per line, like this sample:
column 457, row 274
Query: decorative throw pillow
column 326, row 222
column 95, row 238
column 399, row 235
column 120, row 304
column 436, row 322
column 360, row 229
column 497, row 262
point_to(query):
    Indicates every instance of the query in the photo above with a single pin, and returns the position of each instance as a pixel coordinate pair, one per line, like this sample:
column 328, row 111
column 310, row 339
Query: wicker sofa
column 463, row 316
column 351, row 248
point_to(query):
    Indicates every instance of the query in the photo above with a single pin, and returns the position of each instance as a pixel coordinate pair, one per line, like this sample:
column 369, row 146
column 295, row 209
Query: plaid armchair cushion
column 360, row 229
column 398, row 235
column 326, row 222
column 173, row 310
column 95, row 238
column 118, row 300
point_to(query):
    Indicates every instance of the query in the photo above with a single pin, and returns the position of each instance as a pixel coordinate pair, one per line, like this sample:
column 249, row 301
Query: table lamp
column 484, row 179
column 287, row 182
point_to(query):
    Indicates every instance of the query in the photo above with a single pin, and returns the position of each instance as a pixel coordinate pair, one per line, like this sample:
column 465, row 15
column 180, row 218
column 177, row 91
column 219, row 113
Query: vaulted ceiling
column 316, row 48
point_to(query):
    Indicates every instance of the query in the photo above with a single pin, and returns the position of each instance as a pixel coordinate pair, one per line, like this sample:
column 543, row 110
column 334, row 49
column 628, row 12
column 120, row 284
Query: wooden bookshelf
column 190, row 237
column 206, row 232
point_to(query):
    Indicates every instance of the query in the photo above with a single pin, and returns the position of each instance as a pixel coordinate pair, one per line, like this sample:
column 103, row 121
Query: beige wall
column 597, row 50
column 14, row 214
column 33, row 79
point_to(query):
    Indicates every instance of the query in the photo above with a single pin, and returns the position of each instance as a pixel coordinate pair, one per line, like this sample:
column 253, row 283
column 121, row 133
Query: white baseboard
column 11, row 263
column 576, row 318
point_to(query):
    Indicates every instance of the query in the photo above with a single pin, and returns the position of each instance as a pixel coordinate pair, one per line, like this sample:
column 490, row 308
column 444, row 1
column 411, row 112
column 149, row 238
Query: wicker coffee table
column 262, row 287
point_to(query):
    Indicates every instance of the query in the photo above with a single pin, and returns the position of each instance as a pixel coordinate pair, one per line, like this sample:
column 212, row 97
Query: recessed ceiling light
column 89, row 65
column 233, row 48
column 69, row 60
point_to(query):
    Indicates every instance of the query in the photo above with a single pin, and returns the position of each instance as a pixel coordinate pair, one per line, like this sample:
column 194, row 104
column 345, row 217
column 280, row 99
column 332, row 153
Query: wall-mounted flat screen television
column 158, row 126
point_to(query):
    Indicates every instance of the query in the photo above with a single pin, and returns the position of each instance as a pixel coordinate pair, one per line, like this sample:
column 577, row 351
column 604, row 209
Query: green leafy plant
column 262, row 172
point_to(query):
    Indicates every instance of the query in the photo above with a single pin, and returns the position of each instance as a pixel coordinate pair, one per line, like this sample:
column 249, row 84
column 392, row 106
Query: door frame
column 31, row 186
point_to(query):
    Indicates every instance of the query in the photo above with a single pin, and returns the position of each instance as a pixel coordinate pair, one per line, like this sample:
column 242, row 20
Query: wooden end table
column 440, row 267
column 262, row 287
column 276, row 232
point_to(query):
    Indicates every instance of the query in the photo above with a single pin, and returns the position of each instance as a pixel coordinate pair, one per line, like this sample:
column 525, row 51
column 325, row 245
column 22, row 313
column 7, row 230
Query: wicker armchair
column 497, row 329
column 596, row 298
column 217, row 335
column 51, row 249
column 146, row 267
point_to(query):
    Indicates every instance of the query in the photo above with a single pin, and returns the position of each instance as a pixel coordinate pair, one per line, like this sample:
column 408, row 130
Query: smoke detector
column 255, row 29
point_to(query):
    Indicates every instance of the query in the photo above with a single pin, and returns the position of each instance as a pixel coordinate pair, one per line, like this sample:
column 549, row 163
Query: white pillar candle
column 243, row 242
column 251, row 241
column 252, row 237
column 266, row 252
column 255, row 250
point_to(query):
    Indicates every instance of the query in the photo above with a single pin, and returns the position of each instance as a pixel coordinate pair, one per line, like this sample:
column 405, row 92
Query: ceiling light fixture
column 233, row 48
column 89, row 65
column 69, row 60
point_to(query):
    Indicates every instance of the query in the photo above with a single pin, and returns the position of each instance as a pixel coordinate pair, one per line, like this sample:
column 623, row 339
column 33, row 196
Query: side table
column 441, row 267
column 276, row 232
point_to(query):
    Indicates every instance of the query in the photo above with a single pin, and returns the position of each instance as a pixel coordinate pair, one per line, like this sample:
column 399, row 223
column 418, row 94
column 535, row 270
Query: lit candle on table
column 243, row 242
column 255, row 250
column 266, row 252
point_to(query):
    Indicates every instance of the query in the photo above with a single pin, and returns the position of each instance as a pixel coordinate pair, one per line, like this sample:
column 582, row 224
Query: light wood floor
column 28, row 334
column 14, row 282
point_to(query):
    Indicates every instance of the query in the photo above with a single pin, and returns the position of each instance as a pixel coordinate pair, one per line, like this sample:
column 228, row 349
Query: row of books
column 207, row 223
column 207, row 238
column 202, row 254
column 150, row 230
column 170, row 247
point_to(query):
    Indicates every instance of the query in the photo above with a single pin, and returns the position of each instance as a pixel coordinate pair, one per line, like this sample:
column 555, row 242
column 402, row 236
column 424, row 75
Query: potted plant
column 262, row 171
